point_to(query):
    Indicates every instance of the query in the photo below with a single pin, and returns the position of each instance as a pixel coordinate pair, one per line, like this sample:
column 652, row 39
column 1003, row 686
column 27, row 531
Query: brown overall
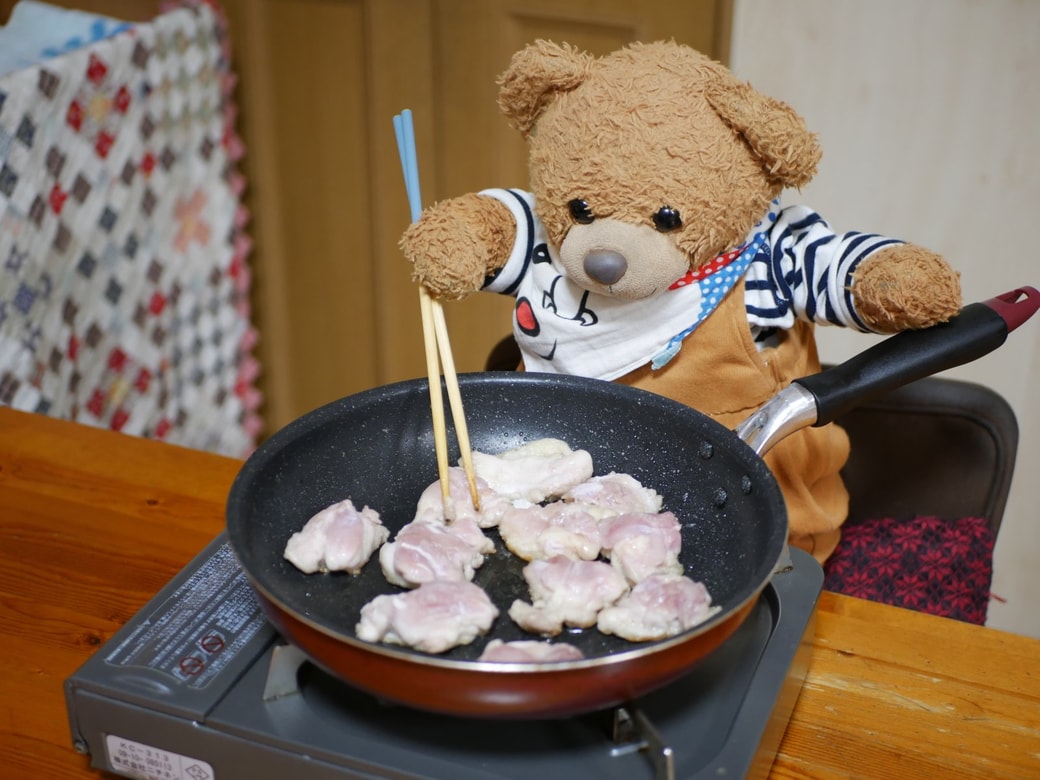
column 719, row 372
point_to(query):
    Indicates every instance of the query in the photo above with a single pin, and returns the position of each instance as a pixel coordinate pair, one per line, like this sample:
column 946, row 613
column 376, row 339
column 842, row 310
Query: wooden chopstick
column 433, row 372
column 436, row 342
column 454, row 397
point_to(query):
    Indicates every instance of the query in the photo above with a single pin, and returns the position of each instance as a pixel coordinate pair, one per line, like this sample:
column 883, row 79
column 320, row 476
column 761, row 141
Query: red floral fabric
column 929, row 564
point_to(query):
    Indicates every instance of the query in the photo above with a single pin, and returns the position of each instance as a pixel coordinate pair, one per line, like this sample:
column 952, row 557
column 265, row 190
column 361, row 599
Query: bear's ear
column 537, row 72
column 775, row 133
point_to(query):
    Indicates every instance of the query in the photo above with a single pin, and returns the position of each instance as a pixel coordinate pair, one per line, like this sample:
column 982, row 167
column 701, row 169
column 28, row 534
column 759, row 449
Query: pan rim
column 316, row 417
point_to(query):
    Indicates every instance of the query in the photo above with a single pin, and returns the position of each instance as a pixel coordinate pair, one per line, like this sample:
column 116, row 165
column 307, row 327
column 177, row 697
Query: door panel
column 319, row 83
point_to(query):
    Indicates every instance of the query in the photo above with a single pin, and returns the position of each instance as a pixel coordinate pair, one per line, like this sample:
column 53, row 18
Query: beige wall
column 929, row 116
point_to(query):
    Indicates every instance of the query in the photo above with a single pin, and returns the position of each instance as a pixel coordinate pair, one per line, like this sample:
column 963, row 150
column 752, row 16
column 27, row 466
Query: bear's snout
column 620, row 259
column 605, row 266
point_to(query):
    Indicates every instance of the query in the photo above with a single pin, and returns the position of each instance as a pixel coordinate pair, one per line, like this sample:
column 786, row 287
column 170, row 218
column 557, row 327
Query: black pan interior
column 376, row 448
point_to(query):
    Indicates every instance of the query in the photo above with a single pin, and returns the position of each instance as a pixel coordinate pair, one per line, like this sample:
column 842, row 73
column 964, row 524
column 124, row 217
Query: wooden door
column 319, row 83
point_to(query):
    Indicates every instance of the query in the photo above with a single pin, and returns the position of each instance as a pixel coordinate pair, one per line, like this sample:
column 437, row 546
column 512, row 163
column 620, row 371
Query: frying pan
column 376, row 447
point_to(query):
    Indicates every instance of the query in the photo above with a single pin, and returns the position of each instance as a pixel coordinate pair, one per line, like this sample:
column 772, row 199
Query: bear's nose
column 605, row 266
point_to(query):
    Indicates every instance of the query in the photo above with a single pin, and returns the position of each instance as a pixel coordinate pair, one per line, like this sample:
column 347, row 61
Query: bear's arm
column 809, row 272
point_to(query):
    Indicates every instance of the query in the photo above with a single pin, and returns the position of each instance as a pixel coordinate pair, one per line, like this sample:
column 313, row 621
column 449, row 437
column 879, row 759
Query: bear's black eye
column 667, row 219
column 580, row 211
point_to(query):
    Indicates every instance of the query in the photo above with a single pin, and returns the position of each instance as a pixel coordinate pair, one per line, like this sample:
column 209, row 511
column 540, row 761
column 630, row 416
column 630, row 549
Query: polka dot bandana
column 713, row 281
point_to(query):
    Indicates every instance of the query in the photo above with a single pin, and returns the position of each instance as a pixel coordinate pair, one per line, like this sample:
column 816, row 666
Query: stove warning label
column 197, row 630
column 151, row 763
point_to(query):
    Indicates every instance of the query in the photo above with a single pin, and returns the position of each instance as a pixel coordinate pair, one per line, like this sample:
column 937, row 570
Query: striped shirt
column 793, row 265
column 805, row 271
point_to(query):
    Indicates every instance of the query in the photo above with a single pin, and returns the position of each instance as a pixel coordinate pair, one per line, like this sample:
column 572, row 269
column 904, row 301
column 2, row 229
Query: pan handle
column 977, row 330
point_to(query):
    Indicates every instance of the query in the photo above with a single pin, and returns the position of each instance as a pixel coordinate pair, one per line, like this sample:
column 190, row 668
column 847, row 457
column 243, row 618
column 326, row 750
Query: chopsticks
column 435, row 340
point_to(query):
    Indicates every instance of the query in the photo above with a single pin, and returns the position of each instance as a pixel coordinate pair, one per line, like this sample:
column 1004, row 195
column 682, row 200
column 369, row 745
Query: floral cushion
column 929, row 564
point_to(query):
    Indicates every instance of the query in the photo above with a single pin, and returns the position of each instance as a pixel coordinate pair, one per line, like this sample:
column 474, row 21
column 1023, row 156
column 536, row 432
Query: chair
column 928, row 477
column 961, row 439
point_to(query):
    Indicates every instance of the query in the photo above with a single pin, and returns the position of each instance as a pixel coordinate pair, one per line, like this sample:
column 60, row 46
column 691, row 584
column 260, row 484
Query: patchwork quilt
column 124, row 282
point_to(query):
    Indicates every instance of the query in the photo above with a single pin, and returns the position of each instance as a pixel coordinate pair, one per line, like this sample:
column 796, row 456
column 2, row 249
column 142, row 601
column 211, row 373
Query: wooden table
column 94, row 523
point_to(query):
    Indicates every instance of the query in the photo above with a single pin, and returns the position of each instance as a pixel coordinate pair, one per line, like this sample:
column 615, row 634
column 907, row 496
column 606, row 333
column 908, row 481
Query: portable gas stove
column 198, row 686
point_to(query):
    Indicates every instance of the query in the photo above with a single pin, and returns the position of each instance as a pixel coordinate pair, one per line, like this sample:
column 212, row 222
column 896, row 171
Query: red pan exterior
column 546, row 693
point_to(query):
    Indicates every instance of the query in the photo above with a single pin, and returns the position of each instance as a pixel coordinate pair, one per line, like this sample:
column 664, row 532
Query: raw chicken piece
column 566, row 592
column 641, row 544
column 660, row 606
column 434, row 617
column 559, row 528
column 529, row 651
column 614, row 494
column 338, row 538
column 428, row 551
column 492, row 505
column 537, row 471
column 465, row 528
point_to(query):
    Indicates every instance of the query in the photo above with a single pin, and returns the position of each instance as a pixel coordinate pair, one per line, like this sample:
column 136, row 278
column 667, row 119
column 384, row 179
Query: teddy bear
column 651, row 248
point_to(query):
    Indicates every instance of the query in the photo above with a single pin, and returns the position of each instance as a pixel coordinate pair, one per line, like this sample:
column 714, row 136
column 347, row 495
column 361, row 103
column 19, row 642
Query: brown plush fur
column 648, row 100
column 904, row 287
column 479, row 230
column 659, row 124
